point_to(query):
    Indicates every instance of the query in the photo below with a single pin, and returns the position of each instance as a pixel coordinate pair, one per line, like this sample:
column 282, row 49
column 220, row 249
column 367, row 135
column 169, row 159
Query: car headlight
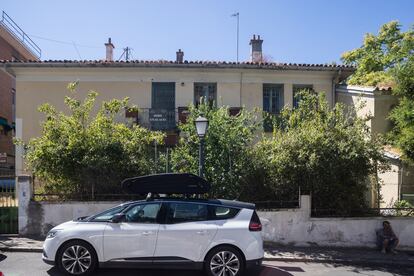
column 52, row 234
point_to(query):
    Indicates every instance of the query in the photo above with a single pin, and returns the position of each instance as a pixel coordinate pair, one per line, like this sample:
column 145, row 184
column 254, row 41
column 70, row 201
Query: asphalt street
column 30, row 264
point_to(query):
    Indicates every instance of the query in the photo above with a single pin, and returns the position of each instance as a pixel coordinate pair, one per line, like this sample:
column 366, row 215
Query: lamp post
column 201, row 126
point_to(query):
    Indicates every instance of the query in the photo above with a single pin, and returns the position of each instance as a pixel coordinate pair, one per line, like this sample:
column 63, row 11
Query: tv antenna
column 127, row 53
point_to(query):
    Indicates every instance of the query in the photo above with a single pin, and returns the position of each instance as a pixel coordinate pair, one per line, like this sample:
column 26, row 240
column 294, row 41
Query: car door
column 135, row 238
column 187, row 232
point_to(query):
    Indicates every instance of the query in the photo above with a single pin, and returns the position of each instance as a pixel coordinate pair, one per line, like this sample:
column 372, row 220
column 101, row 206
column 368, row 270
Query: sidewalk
column 273, row 252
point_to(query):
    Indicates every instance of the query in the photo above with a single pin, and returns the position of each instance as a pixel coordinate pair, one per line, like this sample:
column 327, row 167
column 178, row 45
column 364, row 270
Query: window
column 143, row 213
column 220, row 212
column 206, row 90
column 272, row 98
column 272, row 104
column 186, row 212
column 108, row 214
column 298, row 88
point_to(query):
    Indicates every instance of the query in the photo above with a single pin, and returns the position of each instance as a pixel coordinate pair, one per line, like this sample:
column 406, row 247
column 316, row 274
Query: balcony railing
column 20, row 35
column 157, row 119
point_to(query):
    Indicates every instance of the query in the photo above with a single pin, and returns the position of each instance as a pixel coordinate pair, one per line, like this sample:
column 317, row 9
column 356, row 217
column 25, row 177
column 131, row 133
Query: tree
column 403, row 114
column 321, row 150
column 78, row 153
column 227, row 146
column 379, row 54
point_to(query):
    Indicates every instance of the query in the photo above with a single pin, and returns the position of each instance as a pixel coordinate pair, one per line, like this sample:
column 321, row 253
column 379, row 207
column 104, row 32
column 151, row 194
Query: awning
column 5, row 124
column 169, row 183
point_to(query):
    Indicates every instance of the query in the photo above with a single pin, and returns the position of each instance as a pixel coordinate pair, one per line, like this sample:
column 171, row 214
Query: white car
column 220, row 236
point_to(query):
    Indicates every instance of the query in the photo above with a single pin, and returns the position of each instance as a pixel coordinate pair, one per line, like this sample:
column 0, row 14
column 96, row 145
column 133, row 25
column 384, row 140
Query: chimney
column 180, row 56
column 256, row 54
column 109, row 50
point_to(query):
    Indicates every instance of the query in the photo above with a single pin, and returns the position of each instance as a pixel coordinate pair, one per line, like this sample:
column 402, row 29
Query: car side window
column 143, row 213
column 179, row 212
column 221, row 212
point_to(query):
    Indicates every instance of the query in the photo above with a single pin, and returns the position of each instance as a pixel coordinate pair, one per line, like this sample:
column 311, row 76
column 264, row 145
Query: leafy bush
column 227, row 145
column 321, row 150
column 78, row 153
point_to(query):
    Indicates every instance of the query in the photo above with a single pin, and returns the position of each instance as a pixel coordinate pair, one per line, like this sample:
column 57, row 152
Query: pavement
column 273, row 252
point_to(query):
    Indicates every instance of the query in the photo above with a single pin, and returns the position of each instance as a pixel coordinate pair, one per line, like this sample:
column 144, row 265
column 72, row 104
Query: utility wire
column 64, row 42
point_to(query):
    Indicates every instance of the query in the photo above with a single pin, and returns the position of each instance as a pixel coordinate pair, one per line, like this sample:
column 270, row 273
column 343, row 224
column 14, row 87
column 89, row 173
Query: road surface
column 30, row 264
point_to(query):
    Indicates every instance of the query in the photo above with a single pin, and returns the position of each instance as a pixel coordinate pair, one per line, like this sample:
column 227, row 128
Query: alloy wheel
column 76, row 259
column 224, row 263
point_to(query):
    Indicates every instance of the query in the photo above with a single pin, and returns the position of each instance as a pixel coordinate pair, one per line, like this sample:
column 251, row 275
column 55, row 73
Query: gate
column 8, row 206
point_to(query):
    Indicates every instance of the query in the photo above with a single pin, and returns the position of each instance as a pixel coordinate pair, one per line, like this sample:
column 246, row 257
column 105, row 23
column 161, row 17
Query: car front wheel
column 224, row 261
column 76, row 258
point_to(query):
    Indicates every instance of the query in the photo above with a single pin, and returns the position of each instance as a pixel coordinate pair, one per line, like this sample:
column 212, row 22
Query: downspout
column 335, row 80
column 240, row 91
column 400, row 180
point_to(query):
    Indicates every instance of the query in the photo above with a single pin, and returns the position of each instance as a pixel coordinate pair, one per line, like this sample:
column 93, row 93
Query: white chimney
column 109, row 50
column 256, row 54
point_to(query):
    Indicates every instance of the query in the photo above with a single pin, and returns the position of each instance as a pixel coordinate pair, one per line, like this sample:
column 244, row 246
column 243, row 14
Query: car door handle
column 147, row 233
column 202, row 232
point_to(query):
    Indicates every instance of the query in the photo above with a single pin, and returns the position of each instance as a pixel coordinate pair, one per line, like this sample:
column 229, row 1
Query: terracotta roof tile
column 247, row 64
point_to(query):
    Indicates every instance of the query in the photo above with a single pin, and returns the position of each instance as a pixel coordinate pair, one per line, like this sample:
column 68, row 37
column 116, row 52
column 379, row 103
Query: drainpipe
column 335, row 80
column 400, row 180
column 240, row 91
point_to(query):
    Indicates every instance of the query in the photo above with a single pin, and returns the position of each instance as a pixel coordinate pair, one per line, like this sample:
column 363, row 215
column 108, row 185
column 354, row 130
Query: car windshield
column 108, row 214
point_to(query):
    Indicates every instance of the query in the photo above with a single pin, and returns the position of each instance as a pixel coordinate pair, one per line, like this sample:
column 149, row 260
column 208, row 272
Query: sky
column 299, row 31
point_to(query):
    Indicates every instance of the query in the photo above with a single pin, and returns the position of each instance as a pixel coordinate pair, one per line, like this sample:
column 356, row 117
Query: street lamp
column 201, row 126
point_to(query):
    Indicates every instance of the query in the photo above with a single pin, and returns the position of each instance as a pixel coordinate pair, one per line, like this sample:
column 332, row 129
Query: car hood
column 65, row 225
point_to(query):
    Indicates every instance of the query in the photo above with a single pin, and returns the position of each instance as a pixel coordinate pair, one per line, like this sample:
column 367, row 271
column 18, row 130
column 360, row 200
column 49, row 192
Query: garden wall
column 288, row 226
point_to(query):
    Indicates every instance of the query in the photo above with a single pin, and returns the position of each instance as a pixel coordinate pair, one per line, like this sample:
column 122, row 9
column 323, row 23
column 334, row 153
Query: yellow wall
column 39, row 85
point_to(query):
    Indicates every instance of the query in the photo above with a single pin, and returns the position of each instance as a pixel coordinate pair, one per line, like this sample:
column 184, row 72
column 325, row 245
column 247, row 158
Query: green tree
column 227, row 146
column 380, row 54
column 403, row 114
column 318, row 149
column 78, row 153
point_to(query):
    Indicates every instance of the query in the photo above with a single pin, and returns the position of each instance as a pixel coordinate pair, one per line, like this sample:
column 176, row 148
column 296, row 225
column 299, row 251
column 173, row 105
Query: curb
column 408, row 263
column 21, row 249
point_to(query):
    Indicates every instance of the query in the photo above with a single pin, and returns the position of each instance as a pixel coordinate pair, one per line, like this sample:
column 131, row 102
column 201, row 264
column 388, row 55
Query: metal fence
column 370, row 212
column 8, row 210
column 20, row 35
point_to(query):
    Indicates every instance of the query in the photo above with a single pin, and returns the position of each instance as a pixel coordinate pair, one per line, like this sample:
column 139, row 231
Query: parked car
column 223, row 237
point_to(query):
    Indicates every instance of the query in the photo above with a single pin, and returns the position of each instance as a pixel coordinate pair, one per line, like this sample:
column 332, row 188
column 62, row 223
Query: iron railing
column 274, row 205
column 158, row 119
column 20, row 35
column 370, row 212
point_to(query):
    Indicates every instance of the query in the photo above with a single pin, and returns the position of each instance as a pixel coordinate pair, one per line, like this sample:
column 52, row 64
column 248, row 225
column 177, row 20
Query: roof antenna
column 149, row 196
column 127, row 53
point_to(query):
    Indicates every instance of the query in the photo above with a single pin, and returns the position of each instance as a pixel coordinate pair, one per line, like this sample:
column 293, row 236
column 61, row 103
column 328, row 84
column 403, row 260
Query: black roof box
column 168, row 183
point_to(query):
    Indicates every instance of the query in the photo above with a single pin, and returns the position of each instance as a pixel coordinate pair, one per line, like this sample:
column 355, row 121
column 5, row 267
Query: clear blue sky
column 303, row 31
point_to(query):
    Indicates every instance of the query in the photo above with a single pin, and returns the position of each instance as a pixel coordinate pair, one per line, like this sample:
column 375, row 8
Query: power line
column 64, row 42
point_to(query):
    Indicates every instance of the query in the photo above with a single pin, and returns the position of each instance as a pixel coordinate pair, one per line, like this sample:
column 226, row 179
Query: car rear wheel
column 224, row 261
column 77, row 258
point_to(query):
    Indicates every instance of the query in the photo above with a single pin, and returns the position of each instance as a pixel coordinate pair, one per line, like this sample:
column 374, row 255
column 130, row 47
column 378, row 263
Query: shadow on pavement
column 265, row 270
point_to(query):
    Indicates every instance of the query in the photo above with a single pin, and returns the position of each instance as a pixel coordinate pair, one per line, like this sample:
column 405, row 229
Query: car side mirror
column 118, row 218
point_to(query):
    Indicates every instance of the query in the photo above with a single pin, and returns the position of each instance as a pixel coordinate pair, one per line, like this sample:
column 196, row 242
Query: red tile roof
column 167, row 63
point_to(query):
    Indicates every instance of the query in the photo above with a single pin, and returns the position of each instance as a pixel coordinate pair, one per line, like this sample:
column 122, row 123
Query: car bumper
column 46, row 259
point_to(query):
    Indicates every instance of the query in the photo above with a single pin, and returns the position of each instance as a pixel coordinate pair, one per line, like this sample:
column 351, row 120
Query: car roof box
column 168, row 183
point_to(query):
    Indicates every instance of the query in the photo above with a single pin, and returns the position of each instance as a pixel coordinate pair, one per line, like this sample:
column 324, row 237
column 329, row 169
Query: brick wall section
column 7, row 83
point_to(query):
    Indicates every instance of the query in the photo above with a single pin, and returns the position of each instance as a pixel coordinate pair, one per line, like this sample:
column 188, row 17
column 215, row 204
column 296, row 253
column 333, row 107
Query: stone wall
column 295, row 227
column 288, row 226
